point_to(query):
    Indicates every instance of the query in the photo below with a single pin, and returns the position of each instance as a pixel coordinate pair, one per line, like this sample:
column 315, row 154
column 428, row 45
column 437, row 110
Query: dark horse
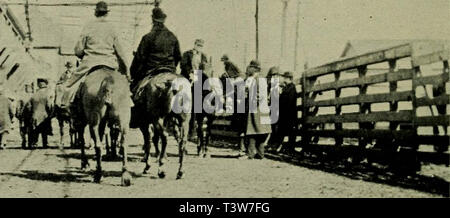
column 157, row 95
column 103, row 99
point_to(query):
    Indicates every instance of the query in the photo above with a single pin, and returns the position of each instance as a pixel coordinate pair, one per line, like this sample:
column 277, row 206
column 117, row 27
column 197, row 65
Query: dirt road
column 56, row 173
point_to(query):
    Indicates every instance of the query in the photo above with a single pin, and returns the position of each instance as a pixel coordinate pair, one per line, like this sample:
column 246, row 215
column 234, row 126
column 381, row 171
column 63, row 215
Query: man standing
column 157, row 49
column 99, row 45
column 258, row 122
column 287, row 123
column 193, row 61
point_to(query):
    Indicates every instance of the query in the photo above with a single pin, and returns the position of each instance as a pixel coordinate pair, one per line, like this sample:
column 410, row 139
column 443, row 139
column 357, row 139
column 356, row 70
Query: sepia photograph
column 227, row 99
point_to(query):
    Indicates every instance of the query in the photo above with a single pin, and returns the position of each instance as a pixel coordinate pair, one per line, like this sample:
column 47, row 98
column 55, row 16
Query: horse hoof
column 126, row 179
column 97, row 177
column 146, row 169
column 162, row 174
column 180, row 175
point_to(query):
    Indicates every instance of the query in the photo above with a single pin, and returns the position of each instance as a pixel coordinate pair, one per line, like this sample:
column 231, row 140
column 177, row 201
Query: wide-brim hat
column 200, row 42
column 255, row 64
column 225, row 58
column 288, row 75
column 274, row 71
column 101, row 7
column 42, row 80
column 158, row 15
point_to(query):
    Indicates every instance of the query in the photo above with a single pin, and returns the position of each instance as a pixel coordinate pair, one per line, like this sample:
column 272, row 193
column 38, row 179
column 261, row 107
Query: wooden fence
column 348, row 105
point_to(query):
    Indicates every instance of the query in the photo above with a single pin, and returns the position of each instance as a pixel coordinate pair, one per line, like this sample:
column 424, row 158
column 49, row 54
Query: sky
column 228, row 26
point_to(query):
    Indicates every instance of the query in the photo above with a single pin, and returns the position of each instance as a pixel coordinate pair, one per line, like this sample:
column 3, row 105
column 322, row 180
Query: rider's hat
column 225, row 58
column 158, row 15
column 68, row 64
column 101, row 7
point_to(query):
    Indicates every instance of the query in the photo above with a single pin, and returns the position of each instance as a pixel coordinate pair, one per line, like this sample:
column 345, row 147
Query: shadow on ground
column 369, row 173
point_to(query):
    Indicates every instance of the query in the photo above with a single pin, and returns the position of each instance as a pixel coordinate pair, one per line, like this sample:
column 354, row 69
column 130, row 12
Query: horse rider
column 98, row 46
column 158, row 51
column 192, row 61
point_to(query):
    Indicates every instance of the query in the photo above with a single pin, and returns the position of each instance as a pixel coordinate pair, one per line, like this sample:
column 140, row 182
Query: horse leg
column 126, row 176
column 182, row 144
column 44, row 140
column 208, row 135
column 155, row 140
column 200, row 144
column 81, row 143
column 146, row 134
column 61, row 132
column 162, row 157
column 95, row 135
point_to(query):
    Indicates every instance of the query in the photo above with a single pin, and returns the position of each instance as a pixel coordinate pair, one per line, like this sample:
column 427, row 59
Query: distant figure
column 231, row 70
column 287, row 122
column 158, row 51
column 98, row 46
column 256, row 130
column 273, row 90
column 191, row 62
column 66, row 74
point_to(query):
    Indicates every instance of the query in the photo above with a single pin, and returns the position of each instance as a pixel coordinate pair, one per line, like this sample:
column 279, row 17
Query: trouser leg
column 260, row 145
column 252, row 147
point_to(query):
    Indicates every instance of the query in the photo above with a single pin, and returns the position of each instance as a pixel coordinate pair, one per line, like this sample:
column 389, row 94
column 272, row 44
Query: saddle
column 139, row 88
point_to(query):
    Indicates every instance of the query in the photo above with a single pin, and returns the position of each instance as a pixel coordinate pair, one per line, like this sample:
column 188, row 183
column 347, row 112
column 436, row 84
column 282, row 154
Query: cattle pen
column 354, row 127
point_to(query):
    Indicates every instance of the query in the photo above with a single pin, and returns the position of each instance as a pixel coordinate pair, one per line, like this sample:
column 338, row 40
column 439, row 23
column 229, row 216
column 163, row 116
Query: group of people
column 99, row 45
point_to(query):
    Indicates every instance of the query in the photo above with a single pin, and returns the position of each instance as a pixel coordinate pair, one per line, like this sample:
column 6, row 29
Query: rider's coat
column 159, row 48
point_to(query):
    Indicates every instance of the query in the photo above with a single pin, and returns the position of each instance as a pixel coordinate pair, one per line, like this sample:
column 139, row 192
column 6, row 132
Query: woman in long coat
column 258, row 118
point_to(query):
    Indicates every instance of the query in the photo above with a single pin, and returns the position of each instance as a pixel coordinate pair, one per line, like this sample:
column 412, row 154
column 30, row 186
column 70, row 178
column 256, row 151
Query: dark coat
column 186, row 63
column 159, row 48
column 39, row 110
column 288, row 108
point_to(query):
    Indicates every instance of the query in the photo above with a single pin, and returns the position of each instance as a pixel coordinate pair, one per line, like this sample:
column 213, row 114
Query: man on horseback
column 98, row 46
column 158, row 51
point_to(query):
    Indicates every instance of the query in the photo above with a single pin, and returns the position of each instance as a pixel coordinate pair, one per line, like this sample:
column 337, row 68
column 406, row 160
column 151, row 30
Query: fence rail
column 402, row 125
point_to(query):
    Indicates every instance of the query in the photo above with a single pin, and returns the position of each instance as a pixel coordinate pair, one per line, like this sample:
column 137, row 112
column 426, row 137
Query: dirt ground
column 56, row 173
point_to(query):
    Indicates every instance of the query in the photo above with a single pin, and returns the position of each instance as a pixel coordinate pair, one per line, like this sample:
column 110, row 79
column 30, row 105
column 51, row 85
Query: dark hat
column 101, row 7
column 288, row 75
column 158, row 15
column 255, row 64
column 200, row 42
column 69, row 64
column 225, row 58
column 274, row 71
column 42, row 80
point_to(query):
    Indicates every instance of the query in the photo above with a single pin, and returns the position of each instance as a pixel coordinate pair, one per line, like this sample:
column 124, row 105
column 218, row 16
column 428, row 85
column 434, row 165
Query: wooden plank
column 402, row 116
column 362, row 133
column 396, row 52
column 223, row 133
column 431, row 80
column 440, row 100
column 375, row 98
column 402, row 74
column 432, row 140
column 430, row 58
column 440, row 120
column 222, row 122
